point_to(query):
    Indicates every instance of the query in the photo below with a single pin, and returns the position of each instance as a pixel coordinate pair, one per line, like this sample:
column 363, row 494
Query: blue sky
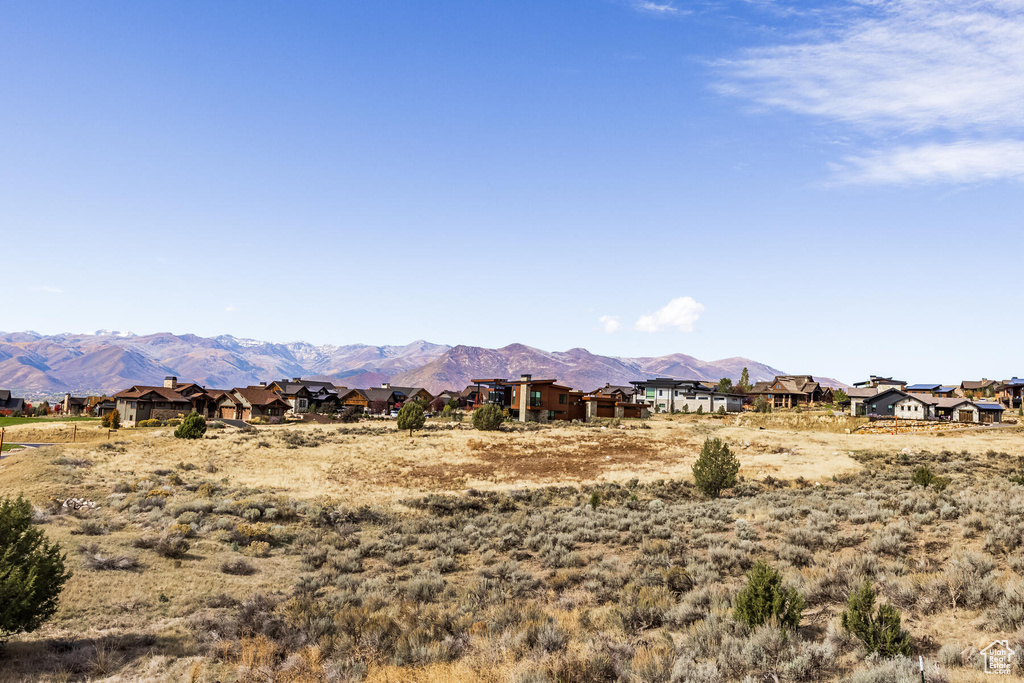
column 784, row 181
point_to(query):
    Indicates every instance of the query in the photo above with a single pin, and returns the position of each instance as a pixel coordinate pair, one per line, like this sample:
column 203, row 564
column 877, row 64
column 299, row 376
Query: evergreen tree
column 192, row 427
column 724, row 386
column 764, row 598
column 880, row 631
column 716, row 467
column 488, row 417
column 745, row 381
column 411, row 416
column 32, row 572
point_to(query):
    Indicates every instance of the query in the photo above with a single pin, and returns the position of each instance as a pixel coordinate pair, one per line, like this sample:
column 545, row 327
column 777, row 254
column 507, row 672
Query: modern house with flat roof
column 666, row 395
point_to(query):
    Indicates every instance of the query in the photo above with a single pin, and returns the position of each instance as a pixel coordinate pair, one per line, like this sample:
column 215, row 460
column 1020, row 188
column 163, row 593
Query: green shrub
column 765, row 599
column 488, row 418
column 32, row 572
column 192, row 427
column 716, row 467
column 411, row 417
column 879, row 630
column 923, row 476
column 761, row 405
column 112, row 420
column 150, row 423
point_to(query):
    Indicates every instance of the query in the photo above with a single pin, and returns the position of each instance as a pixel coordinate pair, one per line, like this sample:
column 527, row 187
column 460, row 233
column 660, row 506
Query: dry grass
column 412, row 556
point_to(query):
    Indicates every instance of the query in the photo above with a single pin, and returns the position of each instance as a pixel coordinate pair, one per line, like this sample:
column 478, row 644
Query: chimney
column 296, row 379
column 385, row 385
column 263, row 384
column 170, row 382
column 524, row 396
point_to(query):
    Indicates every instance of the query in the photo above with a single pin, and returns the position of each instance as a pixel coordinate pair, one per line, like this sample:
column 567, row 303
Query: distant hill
column 577, row 368
column 44, row 366
column 36, row 366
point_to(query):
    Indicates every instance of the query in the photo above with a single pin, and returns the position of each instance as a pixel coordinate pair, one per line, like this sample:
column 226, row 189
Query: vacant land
column 538, row 553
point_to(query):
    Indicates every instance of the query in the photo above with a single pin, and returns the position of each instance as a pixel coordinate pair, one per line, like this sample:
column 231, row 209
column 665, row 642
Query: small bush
column 716, row 467
column 150, row 423
column 172, row 547
column 880, row 630
column 488, row 418
column 764, row 598
column 112, row 420
column 238, row 567
column 192, row 427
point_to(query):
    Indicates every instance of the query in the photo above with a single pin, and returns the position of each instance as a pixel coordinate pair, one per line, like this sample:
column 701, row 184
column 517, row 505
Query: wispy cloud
column 914, row 69
column 681, row 313
column 664, row 8
column 966, row 161
column 610, row 323
column 47, row 289
column 230, row 309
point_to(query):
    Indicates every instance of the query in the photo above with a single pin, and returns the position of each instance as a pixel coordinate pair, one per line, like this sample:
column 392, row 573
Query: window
column 551, row 415
column 534, row 399
column 661, row 392
column 563, row 398
column 649, row 392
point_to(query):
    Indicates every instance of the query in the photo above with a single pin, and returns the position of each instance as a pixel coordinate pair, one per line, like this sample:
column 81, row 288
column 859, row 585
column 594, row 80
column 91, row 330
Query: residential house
column 541, row 400
column 858, row 396
column 410, row 393
column 73, row 405
column 977, row 389
column 141, row 402
column 1010, row 392
column 932, row 390
column 989, row 412
column 666, row 395
column 881, row 383
column 790, row 391
column 354, row 398
column 883, row 403
column 598, row 405
column 10, row 404
column 483, row 391
column 302, row 394
column 620, row 393
column 251, row 402
column 382, row 401
column 907, row 406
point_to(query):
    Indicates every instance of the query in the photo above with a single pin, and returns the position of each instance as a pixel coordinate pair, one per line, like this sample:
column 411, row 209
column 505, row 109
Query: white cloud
column 957, row 162
column 610, row 323
column 657, row 7
column 914, row 68
column 680, row 313
column 230, row 309
column 48, row 290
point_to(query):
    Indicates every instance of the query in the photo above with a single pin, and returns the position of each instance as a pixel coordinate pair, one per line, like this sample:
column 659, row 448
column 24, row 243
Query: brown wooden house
column 789, row 391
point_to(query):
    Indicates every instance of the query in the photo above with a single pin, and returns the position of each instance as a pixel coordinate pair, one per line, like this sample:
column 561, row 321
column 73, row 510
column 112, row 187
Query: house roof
column 378, row 394
column 258, row 396
column 972, row 385
column 141, row 392
column 924, row 387
column 988, row 406
column 1015, row 382
column 866, row 392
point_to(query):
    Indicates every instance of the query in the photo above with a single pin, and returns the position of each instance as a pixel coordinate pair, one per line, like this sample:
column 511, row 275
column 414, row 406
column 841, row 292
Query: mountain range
column 45, row 366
